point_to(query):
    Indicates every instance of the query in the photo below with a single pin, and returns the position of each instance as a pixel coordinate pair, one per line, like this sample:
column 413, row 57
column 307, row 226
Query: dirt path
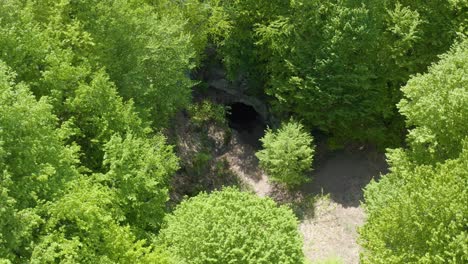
column 331, row 231
column 242, row 161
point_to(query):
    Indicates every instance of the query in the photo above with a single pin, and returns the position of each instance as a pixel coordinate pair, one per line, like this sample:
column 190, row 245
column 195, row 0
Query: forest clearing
column 234, row 131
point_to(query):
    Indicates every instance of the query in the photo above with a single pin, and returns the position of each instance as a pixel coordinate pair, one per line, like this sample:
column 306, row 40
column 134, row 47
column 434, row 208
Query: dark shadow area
column 343, row 174
column 247, row 122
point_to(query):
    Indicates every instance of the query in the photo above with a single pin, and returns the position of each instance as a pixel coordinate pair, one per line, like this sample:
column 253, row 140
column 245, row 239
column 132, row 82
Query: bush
column 417, row 214
column 139, row 174
column 207, row 111
column 230, row 226
column 435, row 107
column 287, row 153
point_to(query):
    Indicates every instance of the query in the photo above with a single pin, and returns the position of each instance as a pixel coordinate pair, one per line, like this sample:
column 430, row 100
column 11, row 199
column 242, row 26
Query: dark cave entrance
column 247, row 122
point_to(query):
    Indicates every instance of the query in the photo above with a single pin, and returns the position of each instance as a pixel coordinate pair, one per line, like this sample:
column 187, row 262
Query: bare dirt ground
column 330, row 230
column 242, row 161
column 328, row 207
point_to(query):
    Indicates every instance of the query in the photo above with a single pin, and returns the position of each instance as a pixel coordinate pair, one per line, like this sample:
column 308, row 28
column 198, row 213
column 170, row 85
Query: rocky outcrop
column 228, row 92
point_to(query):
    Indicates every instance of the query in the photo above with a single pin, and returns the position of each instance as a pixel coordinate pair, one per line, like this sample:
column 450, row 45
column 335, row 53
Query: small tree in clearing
column 287, row 153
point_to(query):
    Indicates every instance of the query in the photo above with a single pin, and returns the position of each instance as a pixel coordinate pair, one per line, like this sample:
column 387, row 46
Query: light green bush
column 287, row 153
column 417, row 212
column 436, row 107
column 230, row 226
column 330, row 260
column 207, row 111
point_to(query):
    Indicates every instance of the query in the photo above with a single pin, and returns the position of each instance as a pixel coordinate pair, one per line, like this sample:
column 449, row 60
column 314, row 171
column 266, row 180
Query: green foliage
column 139, row 173
column 56, row 45
column 330, row 260
column 37, row 168
column 436, row 106
column 419, row 31
column 145, row 52
column 85, row 179
column 327, row 82
column 417, row 212
column 34, row 165
column 86, row 62
column 33, row 160
column 93, row 60
column 287, row 153
column 50, row 213
column 206, row 111
column 200, row 163
column 338, row 65
column 230, row 226
column 236, row 40
column 82, row 228
column 199, row 22
column 96, row 113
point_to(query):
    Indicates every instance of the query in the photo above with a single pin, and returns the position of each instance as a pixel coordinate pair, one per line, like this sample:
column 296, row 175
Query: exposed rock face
column 229, row 92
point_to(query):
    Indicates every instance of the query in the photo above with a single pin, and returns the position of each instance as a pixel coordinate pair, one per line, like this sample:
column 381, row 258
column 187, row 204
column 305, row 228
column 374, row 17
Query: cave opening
column 247, row 122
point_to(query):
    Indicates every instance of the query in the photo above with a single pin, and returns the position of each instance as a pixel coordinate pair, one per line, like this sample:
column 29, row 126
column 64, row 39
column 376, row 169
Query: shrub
column 201, row 162
column 207, row 111
column 435, row 107
column 139, row 173
column 287, row 153
column 417, row 214
column 230, row 226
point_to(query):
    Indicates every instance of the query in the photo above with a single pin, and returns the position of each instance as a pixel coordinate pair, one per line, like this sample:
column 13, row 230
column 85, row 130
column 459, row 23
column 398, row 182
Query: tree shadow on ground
column 343, row 175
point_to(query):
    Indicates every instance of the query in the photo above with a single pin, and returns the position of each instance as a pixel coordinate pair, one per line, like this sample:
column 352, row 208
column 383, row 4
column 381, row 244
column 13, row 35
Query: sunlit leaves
column 436, row 105
column 230, row 226
column 139, row 170
column 287, row 153
column 417, row 212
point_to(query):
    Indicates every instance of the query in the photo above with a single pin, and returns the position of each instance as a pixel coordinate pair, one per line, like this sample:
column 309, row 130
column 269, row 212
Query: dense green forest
column 90, row 92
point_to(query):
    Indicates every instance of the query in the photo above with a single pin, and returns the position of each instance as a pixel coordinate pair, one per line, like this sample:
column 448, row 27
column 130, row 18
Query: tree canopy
column 287, row 153
column 230, row 226
column 420, row 205
column 92, row 93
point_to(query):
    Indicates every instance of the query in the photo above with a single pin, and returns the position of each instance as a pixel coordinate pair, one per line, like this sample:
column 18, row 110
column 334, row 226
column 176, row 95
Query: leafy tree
column 337, row 64
column 417, row 32
column 83, row 227
column 139, row 170
column 206, row 111
column 230, row 226
column 416, row 213
column 51, row 213
column 96, row 113
column 233, row 33
column 85, row 66
column 321, row 69
column 435, row 106
column 33, row 155
column 44, row 49
column 143, row 50
column 287, row 153
column 200, row 17
column 35, row 165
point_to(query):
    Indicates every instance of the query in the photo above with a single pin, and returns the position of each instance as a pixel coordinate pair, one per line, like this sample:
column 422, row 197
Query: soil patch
column 343, row 174
column 328, row 207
